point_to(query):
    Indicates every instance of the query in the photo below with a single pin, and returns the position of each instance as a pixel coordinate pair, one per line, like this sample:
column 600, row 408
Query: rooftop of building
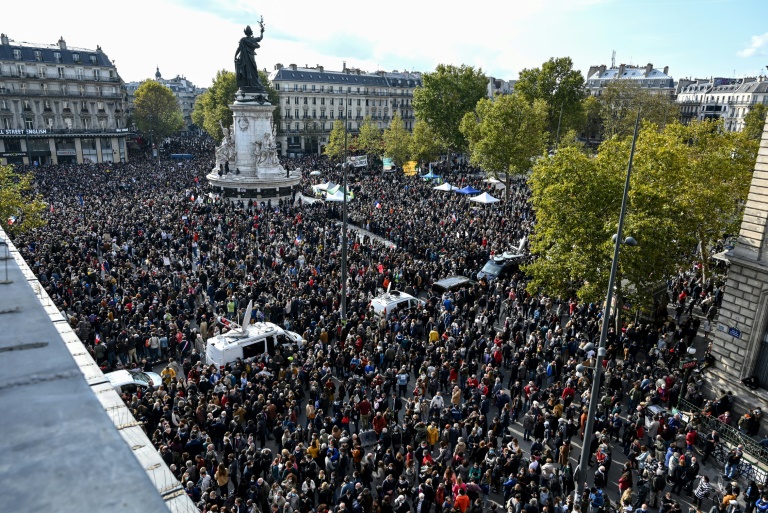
column 69, row 443
column 727, row 85
column 346, row 77
column 47, row 51
column 628, row 72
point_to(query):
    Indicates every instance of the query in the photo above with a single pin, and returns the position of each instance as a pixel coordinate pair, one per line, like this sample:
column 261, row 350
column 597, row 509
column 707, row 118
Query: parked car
column 501, row 266
column 132, row 379
column 450, row 284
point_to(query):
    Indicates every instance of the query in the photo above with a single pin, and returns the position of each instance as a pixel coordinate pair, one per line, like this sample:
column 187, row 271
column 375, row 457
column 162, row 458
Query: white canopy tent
column 484, row 198
column 445, row 187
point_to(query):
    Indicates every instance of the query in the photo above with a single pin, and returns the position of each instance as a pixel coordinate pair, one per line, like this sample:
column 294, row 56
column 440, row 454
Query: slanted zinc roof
column 47, row 54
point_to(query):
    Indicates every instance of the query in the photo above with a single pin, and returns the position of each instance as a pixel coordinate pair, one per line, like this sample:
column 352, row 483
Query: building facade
column 60, row 105
column 312, row 99
column 185, row 92
column 497, row 86
column 729, row 99
column 740, row 343
column 654, row 80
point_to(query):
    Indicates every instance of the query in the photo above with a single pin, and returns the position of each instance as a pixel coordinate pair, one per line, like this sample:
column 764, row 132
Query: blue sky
column 194, row 38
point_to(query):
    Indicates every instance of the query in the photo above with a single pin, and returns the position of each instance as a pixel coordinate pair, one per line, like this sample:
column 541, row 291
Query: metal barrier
column 757, row 468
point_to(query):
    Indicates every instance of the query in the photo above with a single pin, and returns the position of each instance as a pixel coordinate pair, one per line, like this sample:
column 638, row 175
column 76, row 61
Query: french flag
column 378, row 204
column 98, row 339
column 12, row 220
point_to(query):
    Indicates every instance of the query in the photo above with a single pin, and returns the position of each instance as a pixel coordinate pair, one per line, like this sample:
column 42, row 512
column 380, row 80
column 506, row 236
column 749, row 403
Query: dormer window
column 38, row 55
column 17, row 54
column 57, row 56
column 76, row 57
column 93, row 59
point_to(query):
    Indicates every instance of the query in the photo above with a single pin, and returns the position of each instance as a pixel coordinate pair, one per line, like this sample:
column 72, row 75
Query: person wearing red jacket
column 690, row 438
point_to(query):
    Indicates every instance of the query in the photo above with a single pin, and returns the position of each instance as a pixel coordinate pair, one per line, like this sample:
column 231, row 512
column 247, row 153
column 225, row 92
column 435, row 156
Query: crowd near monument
column 247, row 166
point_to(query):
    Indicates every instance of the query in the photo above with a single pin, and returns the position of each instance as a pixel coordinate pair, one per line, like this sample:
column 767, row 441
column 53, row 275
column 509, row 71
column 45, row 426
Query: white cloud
column 756, row 44
column 196, row 38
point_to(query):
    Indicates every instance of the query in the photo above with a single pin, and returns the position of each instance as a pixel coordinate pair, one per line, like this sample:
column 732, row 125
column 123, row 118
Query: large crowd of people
column 415, row 410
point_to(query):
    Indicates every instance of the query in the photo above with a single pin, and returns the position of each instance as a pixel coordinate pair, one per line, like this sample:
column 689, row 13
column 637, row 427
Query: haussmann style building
column 60, row 104
column 312, row 99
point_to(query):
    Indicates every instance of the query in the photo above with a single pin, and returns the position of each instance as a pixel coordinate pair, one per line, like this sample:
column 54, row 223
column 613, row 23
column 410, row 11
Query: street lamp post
column 686, row 376
column 344, row 225
column 581, row 471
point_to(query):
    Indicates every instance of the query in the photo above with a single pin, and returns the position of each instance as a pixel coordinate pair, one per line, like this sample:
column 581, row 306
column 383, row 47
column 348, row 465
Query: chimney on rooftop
column 292, row 66
column 621, row 70
column 601, row 69
column 319, row 68
column 4, row 39
column 592, row 71
column 666, row 70
column 278, row 66
column 648, row 69
column 344, row 66
column 62, row 43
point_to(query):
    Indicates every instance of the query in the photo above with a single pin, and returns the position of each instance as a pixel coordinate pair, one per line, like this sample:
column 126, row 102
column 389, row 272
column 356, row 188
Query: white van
column 393, row 300
column 250, row 341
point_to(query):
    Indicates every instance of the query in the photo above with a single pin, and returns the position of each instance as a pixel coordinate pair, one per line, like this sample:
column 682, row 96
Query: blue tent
column 467, row 190
column 430, row 176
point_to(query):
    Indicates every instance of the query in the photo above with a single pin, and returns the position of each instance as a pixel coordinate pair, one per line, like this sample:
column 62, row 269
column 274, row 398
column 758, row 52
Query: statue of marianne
column 247, row 74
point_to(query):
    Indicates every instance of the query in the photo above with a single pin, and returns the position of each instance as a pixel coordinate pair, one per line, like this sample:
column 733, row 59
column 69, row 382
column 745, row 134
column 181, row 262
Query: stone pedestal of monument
column 250, row 153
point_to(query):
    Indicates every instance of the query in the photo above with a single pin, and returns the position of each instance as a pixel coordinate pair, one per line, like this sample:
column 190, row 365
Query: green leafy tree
column 445, row 96
column 561, row 87
column 212, row 108
column 593, row 124
column 20, row 209
column 425, row 146
column 505, row 135
column 397, row 141
column 369, row 139
column 619, row 104
column 336, row 141
column 716, row 177
column 677, row 197
column 754, row 121
column 156, row 110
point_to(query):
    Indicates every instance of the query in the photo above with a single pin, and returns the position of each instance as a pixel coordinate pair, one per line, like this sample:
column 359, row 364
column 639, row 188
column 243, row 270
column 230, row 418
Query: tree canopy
column 424, row 144
column 369, row 138
column 335, row 147
column 156, row 110
column 20, row 208
column 397, row 141
column 506, row 134
column 446, row 95
column 212, row 108
column 620, row 101
column 681, row 190
column 754, row 121
column 561, row 87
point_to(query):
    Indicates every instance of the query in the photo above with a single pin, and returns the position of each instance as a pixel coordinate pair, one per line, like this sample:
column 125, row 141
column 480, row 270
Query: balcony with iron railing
column 4, row 91
column 56, row 76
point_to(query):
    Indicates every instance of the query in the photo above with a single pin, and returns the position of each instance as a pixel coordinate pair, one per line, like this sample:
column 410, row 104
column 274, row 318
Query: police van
column 252, row 340
column 393, row 300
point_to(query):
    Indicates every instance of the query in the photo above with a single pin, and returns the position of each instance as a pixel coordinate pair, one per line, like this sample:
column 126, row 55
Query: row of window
column 86, row 123
column 56, row 56
column 373, row 112
column 350, row 101
column 62, row 90
column 339, row 89
column 351, row 125
column 62, row 72
column 65, row 105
